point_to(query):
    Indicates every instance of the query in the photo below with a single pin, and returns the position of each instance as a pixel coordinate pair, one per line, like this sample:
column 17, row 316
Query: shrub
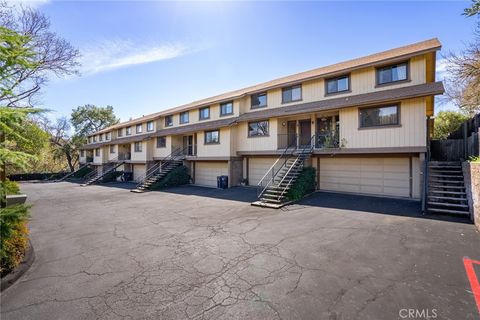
column 9, row 187
column 112, row 176
column 304, row 184
column 176, row 177
column 13, row 236
column 82, row 172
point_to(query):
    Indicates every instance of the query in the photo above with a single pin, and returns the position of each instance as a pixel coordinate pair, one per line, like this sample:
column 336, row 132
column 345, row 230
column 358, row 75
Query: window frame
column 107, row 136
column 82, row 153
column 205, row 137
column 135, row 144
column 181, row 121
column 259, row 106
column 398, row 124
column 112, row 148
column 349, row 83
column 168, row 124
column 94, row 139
column 128, row 131
column 153, row 126
column 120, row 132
column 291, row 88
column 97, row 152
column 258, row 136
column 221, row 109
column 137, row 126
column 200, row 118
column 100, row 137
column 164, row 144
column 379, row 68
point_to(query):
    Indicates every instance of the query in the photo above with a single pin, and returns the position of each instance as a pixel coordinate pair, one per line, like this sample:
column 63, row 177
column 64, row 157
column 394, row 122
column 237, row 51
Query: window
column 379, row 116
column 291, row 94
column 226, row 108
column 184, row 117
column 112, row 149
column 258, row 128
column 258, row 100
column 339, row 84
column 150, row 126
column 168, row 121
column 82, row 153
column 128, row 131
column 120, row 132
column 212, row 137
column 100, row 137
column 94, row 138
column 89, row 139
column 107, row 136
column 161, row 142
column 97, row 152
column 393, row 73
column 137, row 147
column 204, row 113
column 138, row 128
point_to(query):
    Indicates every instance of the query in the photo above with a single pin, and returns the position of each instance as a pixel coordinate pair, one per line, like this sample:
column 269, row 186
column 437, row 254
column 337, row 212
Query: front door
column 291, row 133
column 188, row 145
column 305, row 132
column 324, row 132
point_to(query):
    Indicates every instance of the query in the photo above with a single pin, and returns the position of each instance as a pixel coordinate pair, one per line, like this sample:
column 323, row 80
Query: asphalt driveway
column 196, row 253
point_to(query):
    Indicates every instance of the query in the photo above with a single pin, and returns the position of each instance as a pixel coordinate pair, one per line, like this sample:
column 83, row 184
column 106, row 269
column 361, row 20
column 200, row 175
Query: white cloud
column 110, row 55
column 29, row 3
column 441, row 68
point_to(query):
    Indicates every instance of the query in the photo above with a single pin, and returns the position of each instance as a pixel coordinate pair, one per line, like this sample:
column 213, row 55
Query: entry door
column 305, row 132
column 291, row 133
column 188, row 145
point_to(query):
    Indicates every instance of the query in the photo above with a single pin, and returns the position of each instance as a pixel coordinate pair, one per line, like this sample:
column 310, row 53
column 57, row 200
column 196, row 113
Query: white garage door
column 380, row 176
column 206, row 172
column 138, row 172
column 257, row 167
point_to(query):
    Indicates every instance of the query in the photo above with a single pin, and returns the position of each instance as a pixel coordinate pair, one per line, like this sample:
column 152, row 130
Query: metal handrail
column 90, row 175
column 293, row 164
column 272, row 168
column 159, row 165
column 73, row 172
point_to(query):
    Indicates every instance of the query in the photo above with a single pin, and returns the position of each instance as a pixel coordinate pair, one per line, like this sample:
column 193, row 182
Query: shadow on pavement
column 243, row 194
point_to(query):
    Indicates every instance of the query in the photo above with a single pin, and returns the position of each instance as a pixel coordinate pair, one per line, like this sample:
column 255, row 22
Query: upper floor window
column 94, row 138
column 89, row 139
column 258, row 100
column 340, row 84
column 184, row 117
column 119, row 132
column 379, row 116
column 169, row 121
column 100, row 137
column 204, row 113
column 212, row 137
column 161, row 142
column 137, row 147
column 97, row 152
column 293, row 93
column 82, row 153
column 150, row 126
column 128, row 131
column 392, row 73
column 107, row 136
column 226, row 108
column 112, row 149
column 138, row 128
column 258, row 128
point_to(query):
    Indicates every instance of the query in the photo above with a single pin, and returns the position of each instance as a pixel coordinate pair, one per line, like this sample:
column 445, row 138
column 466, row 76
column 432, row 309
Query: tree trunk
column 71, row 165
column 3, row 175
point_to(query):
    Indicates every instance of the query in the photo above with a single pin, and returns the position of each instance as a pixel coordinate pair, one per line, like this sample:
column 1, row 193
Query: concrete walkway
column 197, row 253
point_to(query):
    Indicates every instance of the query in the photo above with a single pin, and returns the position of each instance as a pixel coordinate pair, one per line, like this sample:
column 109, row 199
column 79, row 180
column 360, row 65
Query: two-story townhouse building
column 367, row 120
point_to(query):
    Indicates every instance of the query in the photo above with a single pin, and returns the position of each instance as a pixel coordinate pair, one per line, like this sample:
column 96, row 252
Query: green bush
column 303, row 186
column 176, row 177
column 82, row 172
column 9, row 187
column 13, row 236
column 112, row 176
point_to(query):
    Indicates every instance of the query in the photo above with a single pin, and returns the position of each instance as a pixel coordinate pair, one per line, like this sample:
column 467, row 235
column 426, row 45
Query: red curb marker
column 472, row 277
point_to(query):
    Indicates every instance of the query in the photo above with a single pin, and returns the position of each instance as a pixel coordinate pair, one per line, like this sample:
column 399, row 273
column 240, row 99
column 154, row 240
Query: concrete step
column 449, row 211
column 448, row 192
column 447, row 198
column 444, row 204
column 271, row 200
column 447, row 176
column 447, row 181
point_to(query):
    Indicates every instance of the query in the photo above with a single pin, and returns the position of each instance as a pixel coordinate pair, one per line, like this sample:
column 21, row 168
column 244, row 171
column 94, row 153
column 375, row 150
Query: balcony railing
column 321, row 140
column 89, row 159
column 124, row 156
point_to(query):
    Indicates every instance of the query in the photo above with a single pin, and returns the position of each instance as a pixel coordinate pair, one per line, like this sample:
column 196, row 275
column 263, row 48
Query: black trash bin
column 222, row 182
column 127, row 176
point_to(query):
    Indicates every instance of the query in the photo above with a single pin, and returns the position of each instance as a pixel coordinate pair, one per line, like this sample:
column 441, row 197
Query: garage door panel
column 138, row 172
column 258, row 167
column 380, row 176
column 206, row 173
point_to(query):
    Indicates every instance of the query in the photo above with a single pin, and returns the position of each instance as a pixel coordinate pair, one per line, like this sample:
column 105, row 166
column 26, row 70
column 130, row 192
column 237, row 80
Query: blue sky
column 142, row 57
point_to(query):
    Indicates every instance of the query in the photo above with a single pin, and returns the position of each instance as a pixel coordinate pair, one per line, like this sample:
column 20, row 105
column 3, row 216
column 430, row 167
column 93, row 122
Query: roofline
column 246, row 92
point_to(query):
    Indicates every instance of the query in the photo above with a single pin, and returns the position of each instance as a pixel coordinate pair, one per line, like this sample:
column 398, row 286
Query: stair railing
column 302, row 153
column 73, row 172
column 271, row 174
column 176, row 154
column 91, row 174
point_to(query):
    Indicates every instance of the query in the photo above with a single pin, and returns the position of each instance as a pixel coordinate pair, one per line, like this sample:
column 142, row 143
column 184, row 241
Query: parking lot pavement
column 197, row 253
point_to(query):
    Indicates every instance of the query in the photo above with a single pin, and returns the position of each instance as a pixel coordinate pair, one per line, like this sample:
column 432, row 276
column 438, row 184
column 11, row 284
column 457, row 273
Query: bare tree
column 53, row 55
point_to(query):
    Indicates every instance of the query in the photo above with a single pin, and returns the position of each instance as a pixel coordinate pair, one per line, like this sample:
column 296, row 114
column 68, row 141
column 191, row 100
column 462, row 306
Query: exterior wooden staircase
column 160, row 170
column 96, row 175
column 446, row 189
column 281, row 176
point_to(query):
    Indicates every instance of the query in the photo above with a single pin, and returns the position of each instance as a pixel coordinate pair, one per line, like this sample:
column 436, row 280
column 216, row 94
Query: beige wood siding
column 411, row 132
column 112, row 156
column 144, row 155
column 162, row 152
column 246, row 143
column 138, row 172
column 221, row 149
column 378, row 176
column 206, row 172
column 257, row 167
